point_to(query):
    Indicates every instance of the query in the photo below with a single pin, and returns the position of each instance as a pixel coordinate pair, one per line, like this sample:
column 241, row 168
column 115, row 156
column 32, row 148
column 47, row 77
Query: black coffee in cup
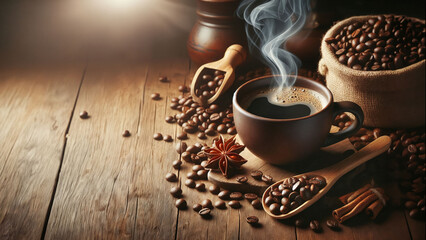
column 288, row 103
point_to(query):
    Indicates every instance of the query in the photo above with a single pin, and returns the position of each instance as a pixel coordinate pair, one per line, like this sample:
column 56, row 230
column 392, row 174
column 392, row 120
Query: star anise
column 224, row 155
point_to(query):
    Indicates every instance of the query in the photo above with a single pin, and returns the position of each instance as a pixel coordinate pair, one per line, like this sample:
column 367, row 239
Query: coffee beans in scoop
column 292, row 193
column 208, row 84
column 380, row 43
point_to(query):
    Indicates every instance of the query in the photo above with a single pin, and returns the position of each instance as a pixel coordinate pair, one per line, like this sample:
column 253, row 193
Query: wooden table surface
column 62, row 177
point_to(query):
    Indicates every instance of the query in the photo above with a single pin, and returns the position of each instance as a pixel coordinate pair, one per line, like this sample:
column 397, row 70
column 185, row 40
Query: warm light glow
column 120, row 4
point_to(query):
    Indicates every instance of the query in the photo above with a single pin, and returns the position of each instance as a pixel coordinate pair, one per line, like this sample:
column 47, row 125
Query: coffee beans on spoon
column 380, row 43
column 293, row 192
column 208, row 84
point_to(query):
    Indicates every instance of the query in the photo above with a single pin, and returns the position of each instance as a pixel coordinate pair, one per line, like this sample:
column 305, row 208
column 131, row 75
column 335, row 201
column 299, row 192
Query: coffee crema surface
column 288, row 103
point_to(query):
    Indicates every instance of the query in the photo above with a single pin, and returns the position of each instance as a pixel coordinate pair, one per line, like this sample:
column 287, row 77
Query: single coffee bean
column 176, row 164
column 300, row 223
column 236, row 196
column 182, row 88
column 126, row 133
column 186, row 156
column 250, row 196
column 333, row 224
column 315, row 226
column 410, row 205
column 252, row 220
column 257, row 175
column 267, row 179
column 182, row 136
column 155, row 96
column 202, row 174
column 274, row 208
column 205, row 212
column 181, row 204
column 158, row 136
column 176, row 191
column 201, row 187
column 284, row 209
column 197, row 207
column 190, row 183
column 220, row 204
column 210, row 132
column 201, row 135
column 207, row 203
column 162, row 79
column 181, row 147
column 214, row 189
column 256, row 204
column 192, row 175
column 242, row 179
column 234, row 204
column 414, row 213
column 168, row 138
column 171, row 177
column 232, row 131
column 197, row 168
column 84, row 115
column 224, row 194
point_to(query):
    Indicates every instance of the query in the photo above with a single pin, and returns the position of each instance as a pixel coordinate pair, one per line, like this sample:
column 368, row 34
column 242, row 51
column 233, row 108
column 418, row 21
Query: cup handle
column 339, row 108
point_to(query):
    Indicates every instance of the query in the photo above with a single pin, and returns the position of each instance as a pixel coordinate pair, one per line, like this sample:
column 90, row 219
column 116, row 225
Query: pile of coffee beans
column 208, row 120
column 405, row 160
column 380, row 43
column 208, row 84
column 293, row 192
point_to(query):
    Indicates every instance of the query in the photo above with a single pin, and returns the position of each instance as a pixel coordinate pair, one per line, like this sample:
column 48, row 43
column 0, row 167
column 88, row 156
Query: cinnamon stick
column 358, row 192
column 357, row 209
column 373, row 210
column 348, row 207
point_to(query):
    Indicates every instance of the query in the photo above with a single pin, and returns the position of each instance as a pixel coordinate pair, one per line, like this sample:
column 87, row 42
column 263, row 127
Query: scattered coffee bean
column 180, row 147
column 257, row 175
column 236, row 196
column 192, row 175
column 315, row 226
column 181, row 204
column 256, row 204
column 176, row 192
column 171, row 177
column 242, row 179
column 234, row 204
column 182, row 136
column 207, row 203
column 176, row 164
column 202, row 174
column 197, row 168
column 162, row 79
column 186, row 156
column 333, row 224
column 300, row 223
column 205, row 212
column 158, row 136
column 252, row 220
column 267, row 179
column 190, row 183
column 201, row 135
column 214, row 189
column 224, row 194
column 126, row 133
column 201, row 187
column 155, row 96
column 168, row 138
column 197, row 207
column 220, row 204
column 170, row 119
column 250, row 196
column 84, row 115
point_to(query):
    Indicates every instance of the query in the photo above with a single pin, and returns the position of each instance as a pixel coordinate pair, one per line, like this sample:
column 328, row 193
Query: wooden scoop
column 233, row 57
column 333, row 173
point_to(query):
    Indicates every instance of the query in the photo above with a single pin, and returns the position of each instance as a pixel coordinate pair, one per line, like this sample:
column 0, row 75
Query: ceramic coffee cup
column 282, row 141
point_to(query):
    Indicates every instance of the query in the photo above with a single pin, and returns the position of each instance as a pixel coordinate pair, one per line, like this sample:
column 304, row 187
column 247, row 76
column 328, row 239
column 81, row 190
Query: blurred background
column 75, row 30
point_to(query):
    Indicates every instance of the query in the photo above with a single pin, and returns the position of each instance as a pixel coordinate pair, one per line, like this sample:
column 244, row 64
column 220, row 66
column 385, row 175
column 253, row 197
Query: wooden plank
column 35, row 109
column 111, row 186
column 416, row 226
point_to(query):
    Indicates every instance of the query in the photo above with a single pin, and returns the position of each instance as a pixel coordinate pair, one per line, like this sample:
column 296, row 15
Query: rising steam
column 269, row 25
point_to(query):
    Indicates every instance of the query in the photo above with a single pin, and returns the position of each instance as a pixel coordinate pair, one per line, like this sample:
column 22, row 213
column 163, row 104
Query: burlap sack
column 389, row 99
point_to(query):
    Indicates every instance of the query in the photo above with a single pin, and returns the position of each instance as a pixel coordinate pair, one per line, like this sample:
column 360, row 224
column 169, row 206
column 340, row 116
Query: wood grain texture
column 35, row 109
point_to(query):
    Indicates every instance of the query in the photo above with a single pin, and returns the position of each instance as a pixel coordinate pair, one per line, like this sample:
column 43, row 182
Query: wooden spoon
column 333, row 173
column 233, row 57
